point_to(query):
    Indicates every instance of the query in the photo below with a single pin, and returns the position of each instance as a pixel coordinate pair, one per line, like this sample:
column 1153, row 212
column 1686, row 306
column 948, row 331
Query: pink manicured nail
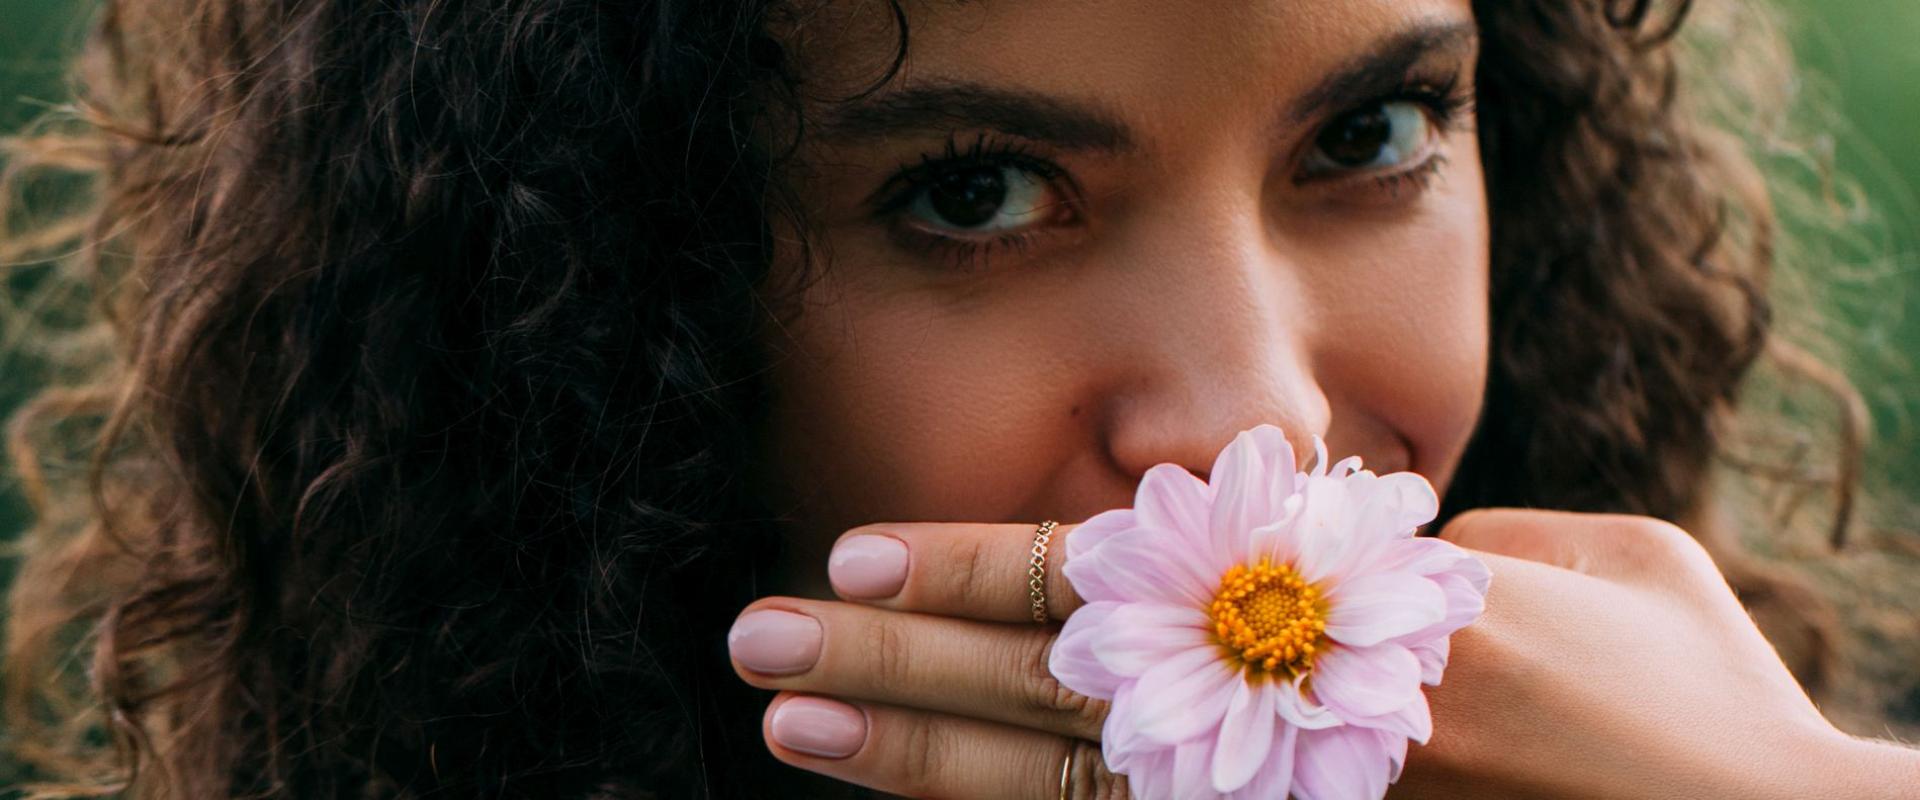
column 868, row 566
column 818, row 726
column 775, row 642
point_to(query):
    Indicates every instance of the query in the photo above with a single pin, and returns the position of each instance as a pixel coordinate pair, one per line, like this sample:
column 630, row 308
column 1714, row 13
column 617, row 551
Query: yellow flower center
column 1269, row 617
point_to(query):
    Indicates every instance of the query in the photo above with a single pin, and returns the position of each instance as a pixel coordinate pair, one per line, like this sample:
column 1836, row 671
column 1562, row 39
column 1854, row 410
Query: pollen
column 1269, row 617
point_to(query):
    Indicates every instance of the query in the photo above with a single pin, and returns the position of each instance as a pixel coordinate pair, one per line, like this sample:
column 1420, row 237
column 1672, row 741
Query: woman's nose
column 1221, row 341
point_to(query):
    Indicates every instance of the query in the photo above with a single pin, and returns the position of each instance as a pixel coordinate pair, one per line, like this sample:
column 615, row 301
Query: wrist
column 1847, row 767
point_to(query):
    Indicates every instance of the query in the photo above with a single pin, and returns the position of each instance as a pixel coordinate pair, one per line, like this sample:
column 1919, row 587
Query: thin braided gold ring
column 1037, row 571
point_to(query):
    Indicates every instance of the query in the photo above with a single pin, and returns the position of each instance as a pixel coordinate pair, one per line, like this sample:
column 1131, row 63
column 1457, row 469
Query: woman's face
column 1072, row 240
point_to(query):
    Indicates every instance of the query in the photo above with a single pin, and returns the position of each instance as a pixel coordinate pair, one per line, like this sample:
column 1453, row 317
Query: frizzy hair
column 419, row 376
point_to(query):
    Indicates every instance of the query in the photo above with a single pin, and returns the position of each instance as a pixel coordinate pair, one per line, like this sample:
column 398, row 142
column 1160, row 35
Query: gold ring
column 1066, row 771
column 1037, row 571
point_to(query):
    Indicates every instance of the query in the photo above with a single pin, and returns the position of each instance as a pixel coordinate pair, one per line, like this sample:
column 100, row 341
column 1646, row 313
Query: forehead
column 1168, row 64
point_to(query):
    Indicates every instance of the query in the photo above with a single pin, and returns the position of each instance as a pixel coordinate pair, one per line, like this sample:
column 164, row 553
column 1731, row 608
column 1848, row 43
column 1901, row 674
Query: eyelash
column 1443, row 100
column 983, row 151
column 1448, row 106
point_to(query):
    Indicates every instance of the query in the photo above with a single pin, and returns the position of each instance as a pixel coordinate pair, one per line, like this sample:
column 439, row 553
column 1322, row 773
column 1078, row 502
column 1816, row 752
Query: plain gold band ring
column 1066, row 771
column 1037, row 571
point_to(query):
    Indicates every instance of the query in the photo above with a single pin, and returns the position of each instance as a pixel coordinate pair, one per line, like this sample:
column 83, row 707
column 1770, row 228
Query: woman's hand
column 938, row 654
column 1612, row 661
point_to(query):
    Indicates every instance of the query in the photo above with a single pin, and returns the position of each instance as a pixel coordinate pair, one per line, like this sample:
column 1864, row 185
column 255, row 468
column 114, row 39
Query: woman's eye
column 1381, row 136
column 984, row 199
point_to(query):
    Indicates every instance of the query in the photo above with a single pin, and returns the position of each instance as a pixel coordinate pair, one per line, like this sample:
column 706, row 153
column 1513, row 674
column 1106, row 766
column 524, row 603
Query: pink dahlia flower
column 1267, row 631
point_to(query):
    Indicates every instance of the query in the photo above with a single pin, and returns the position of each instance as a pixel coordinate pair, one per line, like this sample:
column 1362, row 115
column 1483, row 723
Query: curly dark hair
column 418, row 434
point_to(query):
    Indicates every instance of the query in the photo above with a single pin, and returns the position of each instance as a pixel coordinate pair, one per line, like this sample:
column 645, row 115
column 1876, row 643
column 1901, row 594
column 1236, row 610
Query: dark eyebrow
column 944, row 107
column 1383, row 70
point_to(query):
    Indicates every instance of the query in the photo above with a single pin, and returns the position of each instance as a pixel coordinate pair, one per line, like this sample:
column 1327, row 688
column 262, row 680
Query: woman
column 480, row 362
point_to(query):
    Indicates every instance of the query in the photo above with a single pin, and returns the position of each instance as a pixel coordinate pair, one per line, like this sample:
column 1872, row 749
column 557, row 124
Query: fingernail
column 868, row 566
column 818, row 726
column 775, row 642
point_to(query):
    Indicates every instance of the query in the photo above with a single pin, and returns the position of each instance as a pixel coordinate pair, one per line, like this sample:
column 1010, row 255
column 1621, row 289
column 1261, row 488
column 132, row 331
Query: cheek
column 903, row 408
column 1405, row 327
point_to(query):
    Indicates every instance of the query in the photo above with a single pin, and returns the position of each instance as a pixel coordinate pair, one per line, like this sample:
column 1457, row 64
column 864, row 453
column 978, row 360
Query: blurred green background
column 1861, row 57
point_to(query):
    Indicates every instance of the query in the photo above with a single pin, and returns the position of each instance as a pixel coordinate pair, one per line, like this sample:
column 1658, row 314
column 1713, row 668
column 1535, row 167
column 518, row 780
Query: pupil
column 968, row 198
column 1356, row 139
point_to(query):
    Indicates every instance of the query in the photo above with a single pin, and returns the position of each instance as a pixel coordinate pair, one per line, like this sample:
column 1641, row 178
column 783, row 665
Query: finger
column 979, row 571
column 1614, row 546
column 920, row 753
column 988, row 670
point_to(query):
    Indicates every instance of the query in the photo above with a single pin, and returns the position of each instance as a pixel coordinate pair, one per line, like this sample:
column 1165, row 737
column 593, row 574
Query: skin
column 1199, row 290
column 1612, row 662
column 1189, row 273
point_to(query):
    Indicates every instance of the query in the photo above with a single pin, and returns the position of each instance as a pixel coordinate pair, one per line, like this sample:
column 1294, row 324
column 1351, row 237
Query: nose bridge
column 1225, row 344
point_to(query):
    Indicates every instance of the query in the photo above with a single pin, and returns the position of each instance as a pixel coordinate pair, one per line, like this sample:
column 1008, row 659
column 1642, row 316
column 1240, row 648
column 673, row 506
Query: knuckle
column 958, row 582
column 1093, row 780
column 1045, row 696
column 1664, row 544
column 971, row 573
column 1462, row 522
column 921, row 751
column 1659, row 536
column 892, row 664
column 1501, row 531
column 1081, row 713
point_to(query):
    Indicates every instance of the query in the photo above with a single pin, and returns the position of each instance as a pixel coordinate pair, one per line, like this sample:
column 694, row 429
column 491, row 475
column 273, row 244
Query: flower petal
column 1171, row 498
column 1341, row 763
column 1136, row 637
column 1098, row 528
column 1464, row 605
column 1278, row 541
column 1120, row 744
column 1072, row 661
column 1143, row 565
column 1474, row 572
column 1245, row 735
column 1191, row 760
column 1082, row 569
column 1358, row 682
column 1370, row 609
column 1396, row 747
column 1249, row 479
column 1395, row 504
column 1149, row 773
column 1433, row 659
column 1423, row 555
column 1413, row 721
column 1276, row 775
column 1328, row 548
column 1465, row 600
column 1292, row 705
column 1183, row 696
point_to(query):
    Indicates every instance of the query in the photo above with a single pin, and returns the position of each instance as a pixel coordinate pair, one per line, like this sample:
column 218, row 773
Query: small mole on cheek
column 1075, row 411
